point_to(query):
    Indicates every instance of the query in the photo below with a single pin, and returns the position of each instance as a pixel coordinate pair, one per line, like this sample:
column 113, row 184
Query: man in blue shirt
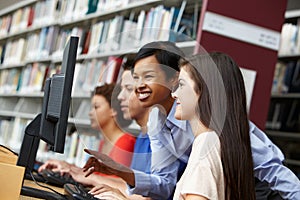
column 171, row 139
column 130, row 105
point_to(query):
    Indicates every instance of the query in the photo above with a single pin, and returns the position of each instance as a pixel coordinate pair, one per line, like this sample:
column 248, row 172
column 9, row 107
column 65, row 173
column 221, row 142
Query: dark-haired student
column 155, row 73
column 132, row 110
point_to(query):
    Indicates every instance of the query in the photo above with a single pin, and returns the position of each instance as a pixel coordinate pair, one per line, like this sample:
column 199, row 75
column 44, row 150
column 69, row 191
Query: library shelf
column 286, row 95
column 19, row 101
column 16, row 6
column 283, row 123
column 292, row 14
column 293, row 136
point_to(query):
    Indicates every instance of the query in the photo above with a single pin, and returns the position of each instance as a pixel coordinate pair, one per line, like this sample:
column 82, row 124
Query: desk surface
column 30, row 183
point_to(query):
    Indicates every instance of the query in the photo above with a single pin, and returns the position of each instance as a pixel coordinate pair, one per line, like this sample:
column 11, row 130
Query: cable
column 45, row 186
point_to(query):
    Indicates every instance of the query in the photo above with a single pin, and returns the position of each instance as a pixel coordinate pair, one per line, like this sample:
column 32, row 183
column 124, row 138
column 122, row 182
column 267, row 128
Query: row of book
column 12, row 133
column 290, row 39
column 36, row 46
column 38, row 14
column 48, row 12
column 286, row 77
column 31, row 78
column 284, row 111
column 117, row 33
column 284, row 115
column 74, row 9
column 93, row 72
column 26, row 80
column 75, row 144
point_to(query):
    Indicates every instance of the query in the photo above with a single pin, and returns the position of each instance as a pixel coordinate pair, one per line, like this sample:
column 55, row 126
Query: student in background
column 211, row 95
column 105, row 116
column 132, row 109
column 171, row 139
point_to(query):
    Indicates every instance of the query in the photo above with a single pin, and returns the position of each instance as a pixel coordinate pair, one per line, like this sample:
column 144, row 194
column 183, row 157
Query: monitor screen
column 51, row 124
column 57, row 97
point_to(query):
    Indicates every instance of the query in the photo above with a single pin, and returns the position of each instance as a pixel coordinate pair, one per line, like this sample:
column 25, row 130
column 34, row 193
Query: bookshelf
column 32, row 37
column 283, row 122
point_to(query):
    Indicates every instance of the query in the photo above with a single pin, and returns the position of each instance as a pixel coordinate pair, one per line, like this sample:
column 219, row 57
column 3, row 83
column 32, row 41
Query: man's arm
column 158, row 185
column 104, row 164
column 267, row 160
column 161, row 182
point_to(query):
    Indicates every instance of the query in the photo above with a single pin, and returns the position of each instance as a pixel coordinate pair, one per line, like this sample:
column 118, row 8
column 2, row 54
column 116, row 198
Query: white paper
column 249, row 81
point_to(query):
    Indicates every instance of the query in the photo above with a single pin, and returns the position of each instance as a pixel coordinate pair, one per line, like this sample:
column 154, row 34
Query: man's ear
column 174, row 81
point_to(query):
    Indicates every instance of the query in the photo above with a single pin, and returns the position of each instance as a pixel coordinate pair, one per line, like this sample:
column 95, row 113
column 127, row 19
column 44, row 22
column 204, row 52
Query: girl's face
column 130, row 105
column 186, row 97
column 100, row 112
column 152, row 87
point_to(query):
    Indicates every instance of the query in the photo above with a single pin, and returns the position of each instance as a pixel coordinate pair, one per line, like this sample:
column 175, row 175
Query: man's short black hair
column 166, row 53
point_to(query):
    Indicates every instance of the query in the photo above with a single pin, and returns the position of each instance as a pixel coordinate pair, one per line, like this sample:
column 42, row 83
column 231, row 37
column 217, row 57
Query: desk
column 31, row 183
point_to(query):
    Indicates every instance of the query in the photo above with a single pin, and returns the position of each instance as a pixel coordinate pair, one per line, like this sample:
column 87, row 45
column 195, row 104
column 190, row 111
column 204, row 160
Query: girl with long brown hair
column 211, row 95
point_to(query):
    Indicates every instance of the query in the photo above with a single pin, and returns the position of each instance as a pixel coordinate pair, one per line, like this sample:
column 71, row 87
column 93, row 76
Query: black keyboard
column 55, row 179
column 41, row 194
column 78, row 192
column 35, row 177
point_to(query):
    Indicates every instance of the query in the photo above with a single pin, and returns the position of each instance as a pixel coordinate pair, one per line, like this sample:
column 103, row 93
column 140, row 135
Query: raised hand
column 104, row 164
column 95, row 165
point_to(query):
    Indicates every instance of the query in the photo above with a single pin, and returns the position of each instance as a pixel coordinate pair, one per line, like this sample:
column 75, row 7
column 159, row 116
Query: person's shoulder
column 128, row 138
column 126, row 142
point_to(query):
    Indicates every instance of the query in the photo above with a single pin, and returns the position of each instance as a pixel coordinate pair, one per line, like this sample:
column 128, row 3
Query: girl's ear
column 113, row 112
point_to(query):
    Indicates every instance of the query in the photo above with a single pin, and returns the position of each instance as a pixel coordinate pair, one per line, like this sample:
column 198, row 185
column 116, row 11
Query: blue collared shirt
column 267, row 160
column 141, row 159
column 171, row 141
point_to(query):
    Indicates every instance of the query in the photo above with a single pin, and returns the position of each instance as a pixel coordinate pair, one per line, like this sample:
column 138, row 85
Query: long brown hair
column 222, row 107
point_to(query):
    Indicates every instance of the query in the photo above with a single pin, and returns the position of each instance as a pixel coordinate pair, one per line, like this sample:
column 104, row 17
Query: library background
column 33, row 34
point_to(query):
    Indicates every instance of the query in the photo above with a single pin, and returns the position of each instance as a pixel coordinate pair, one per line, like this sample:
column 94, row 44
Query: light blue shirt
column 171, row 141
column 267, row 160
column 171, row 147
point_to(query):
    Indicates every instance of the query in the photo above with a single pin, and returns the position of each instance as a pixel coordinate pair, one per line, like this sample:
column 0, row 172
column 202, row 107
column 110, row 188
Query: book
column 140, row 27
column 278, row 85
column 113, row 67
column 295, row 82
column 92, row 6
column 95, row 38
column 30, row 17
column 86, row 45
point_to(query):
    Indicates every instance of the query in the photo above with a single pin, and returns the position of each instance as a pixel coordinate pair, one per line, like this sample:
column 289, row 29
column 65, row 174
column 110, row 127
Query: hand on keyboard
column 78, row 192
column 55, row 178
